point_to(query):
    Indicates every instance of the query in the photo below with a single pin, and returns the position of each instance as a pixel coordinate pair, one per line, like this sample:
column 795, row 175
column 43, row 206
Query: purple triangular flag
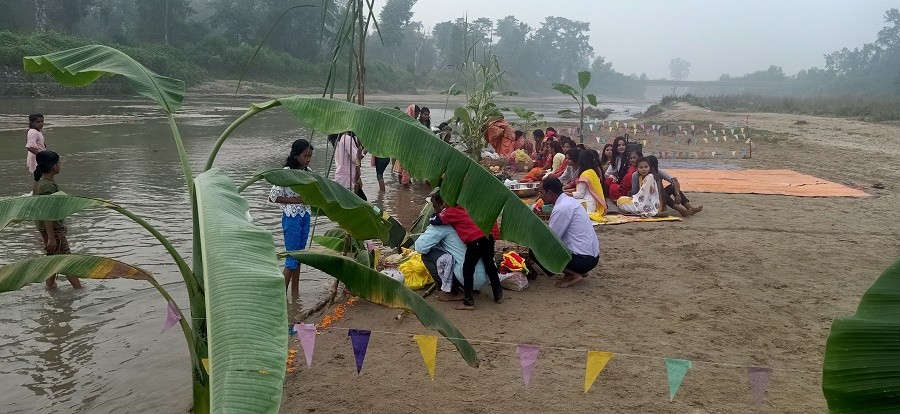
column 307, row 334
column 759, row 378
column 172, row 316
column 527, row 357
column 359, row 338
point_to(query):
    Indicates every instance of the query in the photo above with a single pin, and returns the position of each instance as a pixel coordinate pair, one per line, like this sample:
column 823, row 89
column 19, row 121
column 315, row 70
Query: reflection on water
column 99, row 349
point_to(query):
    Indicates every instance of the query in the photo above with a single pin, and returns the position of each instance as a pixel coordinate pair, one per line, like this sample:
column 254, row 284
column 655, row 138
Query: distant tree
column 679, row 69
column 564, row 48
column 392, row 22
column 511, row 47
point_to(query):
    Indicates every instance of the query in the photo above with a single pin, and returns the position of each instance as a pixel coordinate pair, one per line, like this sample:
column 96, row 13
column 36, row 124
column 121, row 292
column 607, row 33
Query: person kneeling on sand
column 439, row 240
column 570, row 222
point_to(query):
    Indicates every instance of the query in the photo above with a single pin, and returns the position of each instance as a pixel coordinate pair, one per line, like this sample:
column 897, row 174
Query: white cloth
column 584, row 197
column 571, row 223
column 290, row 210
column 645, row 202
column 445, row 271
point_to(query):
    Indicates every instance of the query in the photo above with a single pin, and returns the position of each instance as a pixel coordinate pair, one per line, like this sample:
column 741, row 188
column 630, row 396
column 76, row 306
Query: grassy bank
column 202, row 61
column 861, row 107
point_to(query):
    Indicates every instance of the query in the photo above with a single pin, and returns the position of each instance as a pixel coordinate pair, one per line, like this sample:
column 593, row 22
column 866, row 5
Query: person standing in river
column 53, row 233
column 34, row 143
column 295, row 217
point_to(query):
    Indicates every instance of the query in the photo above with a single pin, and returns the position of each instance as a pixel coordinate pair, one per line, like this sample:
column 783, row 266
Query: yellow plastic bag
column 415, row 274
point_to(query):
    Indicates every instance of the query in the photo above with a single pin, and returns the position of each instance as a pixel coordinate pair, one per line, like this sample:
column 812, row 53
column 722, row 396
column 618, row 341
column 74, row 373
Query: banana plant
column 584, row 79
column 861, row 370
column 238, row 358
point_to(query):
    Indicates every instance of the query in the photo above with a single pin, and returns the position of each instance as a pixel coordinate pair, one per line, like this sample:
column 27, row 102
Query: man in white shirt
column 570, row 222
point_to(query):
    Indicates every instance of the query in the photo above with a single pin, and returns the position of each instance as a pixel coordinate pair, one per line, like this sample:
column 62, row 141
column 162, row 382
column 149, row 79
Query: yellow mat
column 778, row 182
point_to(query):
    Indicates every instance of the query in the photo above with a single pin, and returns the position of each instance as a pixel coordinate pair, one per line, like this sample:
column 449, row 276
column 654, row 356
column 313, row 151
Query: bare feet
column 695, row 210
column 569, row 280
column 500, row 300
column 463, row 306
column 451, row 297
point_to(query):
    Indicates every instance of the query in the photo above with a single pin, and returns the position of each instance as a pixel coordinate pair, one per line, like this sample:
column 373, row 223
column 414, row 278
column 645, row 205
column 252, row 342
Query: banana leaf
column 584, row 78
column 15, row 275
column 861, row 370
column 334, row 243
column 566, row 89
column 245, row 301
column 61, row 205
column 382, row 290
column 341, row 205
column 46, row 207
column 388, row 132
column 83, row 65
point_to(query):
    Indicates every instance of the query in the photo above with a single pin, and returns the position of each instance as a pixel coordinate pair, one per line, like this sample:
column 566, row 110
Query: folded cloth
column 445, row 271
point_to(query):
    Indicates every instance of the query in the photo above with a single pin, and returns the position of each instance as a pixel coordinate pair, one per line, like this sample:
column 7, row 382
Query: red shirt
column 465, row 227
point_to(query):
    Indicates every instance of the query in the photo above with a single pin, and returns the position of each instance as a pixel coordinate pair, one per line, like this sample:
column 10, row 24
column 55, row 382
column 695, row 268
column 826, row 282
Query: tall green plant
column 584, row 79
column 234, row 267
column 861, row 370
column 481, row 81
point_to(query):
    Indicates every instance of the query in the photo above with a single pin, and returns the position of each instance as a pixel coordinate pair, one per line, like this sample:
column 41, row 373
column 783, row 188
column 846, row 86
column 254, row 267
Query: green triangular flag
column 676, row 369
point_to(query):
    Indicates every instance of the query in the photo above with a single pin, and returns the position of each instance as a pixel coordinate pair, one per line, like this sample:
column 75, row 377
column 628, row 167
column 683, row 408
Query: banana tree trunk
column 201, row 392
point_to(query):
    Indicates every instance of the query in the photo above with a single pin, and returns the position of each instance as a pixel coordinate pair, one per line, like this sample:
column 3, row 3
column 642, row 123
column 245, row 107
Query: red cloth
column 562, row 168
column 622, row 189
column 501, row 136
column 465, row 227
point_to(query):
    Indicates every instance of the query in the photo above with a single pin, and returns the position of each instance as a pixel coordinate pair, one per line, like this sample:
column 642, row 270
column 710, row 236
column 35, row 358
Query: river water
column 100, row 350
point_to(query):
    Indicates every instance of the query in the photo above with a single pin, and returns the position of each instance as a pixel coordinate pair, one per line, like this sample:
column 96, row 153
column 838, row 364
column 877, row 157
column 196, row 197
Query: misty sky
column 715, row 36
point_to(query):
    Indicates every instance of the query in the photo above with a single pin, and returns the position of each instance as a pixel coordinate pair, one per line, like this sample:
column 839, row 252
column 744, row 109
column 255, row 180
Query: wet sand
column 752, row 280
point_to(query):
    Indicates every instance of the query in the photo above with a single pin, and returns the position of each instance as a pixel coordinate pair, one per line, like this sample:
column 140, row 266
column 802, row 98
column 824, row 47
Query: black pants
column 670, row 196
column 482, row 249
column 579, row 263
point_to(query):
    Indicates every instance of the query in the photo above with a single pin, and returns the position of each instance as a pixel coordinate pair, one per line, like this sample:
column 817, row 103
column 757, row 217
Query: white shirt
column 571, row 223
column 290, row 210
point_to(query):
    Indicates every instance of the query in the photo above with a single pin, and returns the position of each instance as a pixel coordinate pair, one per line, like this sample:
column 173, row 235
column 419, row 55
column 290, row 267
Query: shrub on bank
column 865, row 107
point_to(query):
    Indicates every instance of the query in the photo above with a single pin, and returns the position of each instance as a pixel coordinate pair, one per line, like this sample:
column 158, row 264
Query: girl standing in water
column 295, row 215
column 53, row 233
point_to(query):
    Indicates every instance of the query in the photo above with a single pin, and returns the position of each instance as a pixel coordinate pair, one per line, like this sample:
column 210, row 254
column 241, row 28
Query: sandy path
column 753, row 280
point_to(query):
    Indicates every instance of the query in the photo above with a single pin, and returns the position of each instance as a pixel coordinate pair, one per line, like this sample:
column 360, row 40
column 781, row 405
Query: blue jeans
column 296, row 232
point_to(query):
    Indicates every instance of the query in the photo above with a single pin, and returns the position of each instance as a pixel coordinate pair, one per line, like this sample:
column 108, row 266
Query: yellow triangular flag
column 596, row 361
column 428, row 348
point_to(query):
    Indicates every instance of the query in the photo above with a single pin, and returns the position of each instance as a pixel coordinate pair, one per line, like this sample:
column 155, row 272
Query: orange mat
column 780, row 182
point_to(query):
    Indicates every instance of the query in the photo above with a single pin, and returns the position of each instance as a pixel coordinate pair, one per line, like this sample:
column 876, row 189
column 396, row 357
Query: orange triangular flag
column 428, row 349
column 596, row 361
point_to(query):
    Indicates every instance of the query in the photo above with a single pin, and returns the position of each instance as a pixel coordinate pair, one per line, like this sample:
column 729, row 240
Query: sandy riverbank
column 753, row 280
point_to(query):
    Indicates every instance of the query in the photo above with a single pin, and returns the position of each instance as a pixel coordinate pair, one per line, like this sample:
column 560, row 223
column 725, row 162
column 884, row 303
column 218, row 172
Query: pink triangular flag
column 527, row 357
column 172, row 316
column 307, row 334
column 759, row 378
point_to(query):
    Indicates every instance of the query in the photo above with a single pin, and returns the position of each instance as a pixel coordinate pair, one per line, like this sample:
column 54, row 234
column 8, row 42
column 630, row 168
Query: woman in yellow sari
column 588, row 189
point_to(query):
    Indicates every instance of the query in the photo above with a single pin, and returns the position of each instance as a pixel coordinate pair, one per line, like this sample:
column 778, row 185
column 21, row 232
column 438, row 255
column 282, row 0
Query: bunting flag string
column 307, row 334
column 675, row 371
column 528, row 355
column 596, row 361
column 359, row 338
column 172, row 316
column 428, row 349
column 759, row 378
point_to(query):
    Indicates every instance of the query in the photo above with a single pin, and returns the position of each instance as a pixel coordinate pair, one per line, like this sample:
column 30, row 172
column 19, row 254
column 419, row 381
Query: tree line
column 214, row 34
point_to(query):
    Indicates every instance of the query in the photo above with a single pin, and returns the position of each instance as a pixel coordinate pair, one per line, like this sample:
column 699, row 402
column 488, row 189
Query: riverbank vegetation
column 862, row 107
column 204, row 40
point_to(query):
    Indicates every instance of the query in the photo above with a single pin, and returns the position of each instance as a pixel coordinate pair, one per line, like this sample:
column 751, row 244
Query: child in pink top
column 35, row 140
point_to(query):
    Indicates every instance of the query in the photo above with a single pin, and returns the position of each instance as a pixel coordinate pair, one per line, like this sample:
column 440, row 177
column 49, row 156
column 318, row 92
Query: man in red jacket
column 478, row 246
